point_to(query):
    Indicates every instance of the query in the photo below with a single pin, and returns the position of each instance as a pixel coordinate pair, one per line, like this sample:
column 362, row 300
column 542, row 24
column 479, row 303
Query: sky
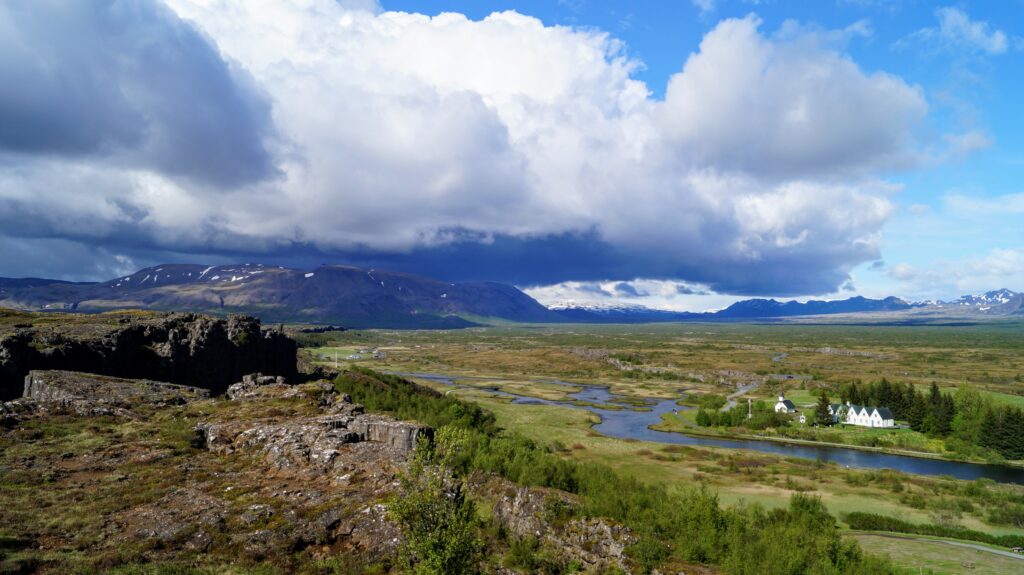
column 679, row 155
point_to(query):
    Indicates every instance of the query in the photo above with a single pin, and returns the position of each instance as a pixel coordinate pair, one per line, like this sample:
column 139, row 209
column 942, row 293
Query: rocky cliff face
column 187, row 349
column 597, row 544
column 313, row 444
column 89, row 394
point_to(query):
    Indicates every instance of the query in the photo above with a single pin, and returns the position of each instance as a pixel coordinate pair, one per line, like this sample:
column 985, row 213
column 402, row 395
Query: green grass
column 939, row 557
column 770, row 483
column 1005, row 398
column 804, row 398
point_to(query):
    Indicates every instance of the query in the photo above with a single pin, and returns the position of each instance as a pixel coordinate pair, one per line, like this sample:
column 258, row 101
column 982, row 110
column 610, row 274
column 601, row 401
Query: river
column 623, row 421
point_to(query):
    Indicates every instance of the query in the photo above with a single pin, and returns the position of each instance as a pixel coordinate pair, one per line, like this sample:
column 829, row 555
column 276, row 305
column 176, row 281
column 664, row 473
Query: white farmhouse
column 863, row 416
column 784, row 405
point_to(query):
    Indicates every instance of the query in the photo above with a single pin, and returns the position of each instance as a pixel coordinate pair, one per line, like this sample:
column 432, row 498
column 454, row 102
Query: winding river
column 632, row 420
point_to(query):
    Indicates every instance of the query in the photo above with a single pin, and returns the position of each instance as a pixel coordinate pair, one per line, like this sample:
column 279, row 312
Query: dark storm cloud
column 683, row 289
column 129, row 81
column 594, row 288
column 523, row 262
column 582, row 257
column 625, row 289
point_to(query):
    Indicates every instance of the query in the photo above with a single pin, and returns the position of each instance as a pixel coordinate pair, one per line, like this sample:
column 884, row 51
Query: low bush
column 873, row 522
column 687, row 525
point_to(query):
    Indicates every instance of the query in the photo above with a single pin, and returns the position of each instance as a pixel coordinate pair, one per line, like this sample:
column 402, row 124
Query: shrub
column 687, row 525
column 874, row 522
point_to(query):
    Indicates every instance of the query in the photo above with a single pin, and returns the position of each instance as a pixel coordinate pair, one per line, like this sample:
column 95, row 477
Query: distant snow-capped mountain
column 597, row 306
column 741, row 310
column 350, row 296
column 615, row 312
column 996, row 302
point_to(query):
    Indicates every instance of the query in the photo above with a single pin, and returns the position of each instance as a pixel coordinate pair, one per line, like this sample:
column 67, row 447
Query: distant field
column 670, row 360
column 987, row 356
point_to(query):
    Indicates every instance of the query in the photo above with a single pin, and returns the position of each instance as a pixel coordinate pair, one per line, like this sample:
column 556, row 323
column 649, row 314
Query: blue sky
column 701, row 152
column 968, row 88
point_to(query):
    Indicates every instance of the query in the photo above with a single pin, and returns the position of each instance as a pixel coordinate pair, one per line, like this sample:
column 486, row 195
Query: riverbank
column 744, row 477
column 640, row 424
column 676, row 423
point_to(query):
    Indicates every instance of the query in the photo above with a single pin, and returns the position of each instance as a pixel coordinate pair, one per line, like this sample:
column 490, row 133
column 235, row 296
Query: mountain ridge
column 371, row 298
column 347, row 295
column 996, row 303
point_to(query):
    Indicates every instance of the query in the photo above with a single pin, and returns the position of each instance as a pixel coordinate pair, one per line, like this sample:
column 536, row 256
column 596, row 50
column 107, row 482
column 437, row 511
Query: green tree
column 970, row 412
column 822, row 416
column 944, row 414
column 855, row 395
column 438, row 520
column 918, row 412
column 703, row 419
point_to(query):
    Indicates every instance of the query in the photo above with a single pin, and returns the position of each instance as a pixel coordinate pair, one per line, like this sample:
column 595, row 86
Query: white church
column 784, row 405
column 863, row 416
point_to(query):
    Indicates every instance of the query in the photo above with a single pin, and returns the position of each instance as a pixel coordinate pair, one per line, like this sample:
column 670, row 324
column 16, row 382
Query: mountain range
column 349, row 296
column 363, row 298
column 741, row 310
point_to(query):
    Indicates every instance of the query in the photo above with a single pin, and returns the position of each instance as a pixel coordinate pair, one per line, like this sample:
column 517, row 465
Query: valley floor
column 664, row 361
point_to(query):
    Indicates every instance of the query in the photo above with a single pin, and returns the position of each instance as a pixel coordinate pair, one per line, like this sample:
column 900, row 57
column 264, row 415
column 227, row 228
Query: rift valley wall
column 182, row 348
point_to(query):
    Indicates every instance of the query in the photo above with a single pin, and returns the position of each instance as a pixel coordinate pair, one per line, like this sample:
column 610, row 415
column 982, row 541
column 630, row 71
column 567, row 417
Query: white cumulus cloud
column 759, row 172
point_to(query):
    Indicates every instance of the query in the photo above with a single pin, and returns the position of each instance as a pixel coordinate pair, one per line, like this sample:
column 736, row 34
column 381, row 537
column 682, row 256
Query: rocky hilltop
column 182, row 348
column 268, row 470
column 111, row 472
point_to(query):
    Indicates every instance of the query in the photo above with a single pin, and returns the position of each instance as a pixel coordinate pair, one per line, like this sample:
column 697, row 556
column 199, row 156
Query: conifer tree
column 917, row 413
column 855, row 397
column 703, row 419
column 944, row 415
column 909, row 400
column 884, row 396
column 1013, row 433
column 821, row 413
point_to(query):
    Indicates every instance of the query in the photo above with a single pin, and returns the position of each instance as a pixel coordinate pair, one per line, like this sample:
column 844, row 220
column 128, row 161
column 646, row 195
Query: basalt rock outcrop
column 89, row 394
column 321, row 444
column 599, row 545
column 188, row 349
column 12, row 412
column 274, row 471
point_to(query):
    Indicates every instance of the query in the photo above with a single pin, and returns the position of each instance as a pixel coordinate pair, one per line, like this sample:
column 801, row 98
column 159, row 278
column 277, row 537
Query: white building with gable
column 860, row 415
column 784, row 405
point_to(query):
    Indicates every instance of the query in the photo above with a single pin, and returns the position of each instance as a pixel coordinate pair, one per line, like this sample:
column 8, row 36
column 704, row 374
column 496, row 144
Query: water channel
column 628, row 418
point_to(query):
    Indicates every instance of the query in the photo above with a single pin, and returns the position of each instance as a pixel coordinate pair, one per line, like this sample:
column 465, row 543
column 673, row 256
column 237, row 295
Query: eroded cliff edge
column 183, row 348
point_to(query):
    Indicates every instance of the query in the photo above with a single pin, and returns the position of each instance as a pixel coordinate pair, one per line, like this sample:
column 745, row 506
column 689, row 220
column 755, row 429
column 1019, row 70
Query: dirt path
column 731, row 398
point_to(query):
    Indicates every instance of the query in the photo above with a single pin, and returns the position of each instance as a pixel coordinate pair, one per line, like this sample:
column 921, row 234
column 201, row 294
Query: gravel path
column 731, row 403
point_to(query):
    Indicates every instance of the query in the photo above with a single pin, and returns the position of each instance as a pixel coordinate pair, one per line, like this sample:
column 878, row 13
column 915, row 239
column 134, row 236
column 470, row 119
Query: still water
column 632, row 420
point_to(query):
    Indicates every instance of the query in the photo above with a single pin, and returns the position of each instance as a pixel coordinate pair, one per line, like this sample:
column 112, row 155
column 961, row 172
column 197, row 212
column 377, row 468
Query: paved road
column 731, row 398
column 953, row 543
